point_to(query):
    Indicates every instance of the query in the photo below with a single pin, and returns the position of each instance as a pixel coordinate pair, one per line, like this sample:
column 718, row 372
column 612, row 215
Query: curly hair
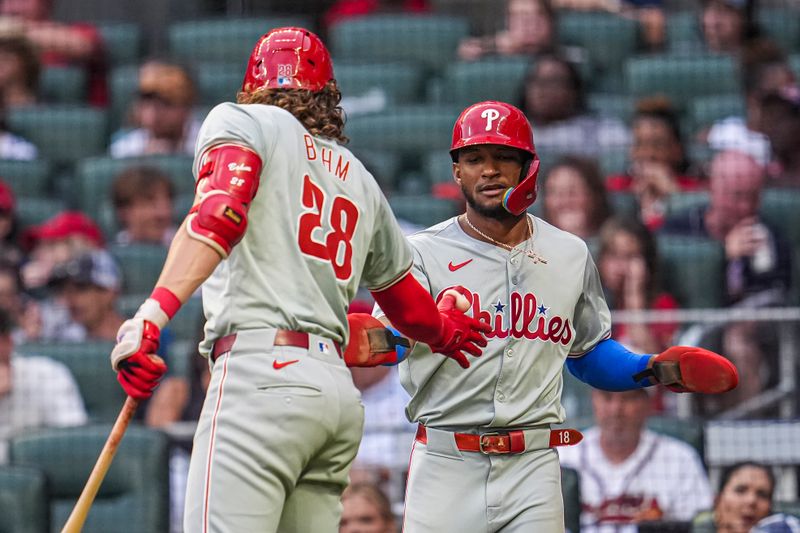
column 319, row 112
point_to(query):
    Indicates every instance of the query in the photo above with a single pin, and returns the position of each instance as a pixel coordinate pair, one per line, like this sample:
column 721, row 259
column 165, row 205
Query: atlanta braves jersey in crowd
column 662, row 478
column 540, row 313
column 318, row 227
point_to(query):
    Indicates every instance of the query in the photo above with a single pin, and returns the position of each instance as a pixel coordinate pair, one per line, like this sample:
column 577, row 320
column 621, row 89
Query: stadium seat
column 679, row 203
column 613, row 161
column 23, row 500
column 571, row 492
column 430, row 40
column 134, row 496
column 63, row 134
column 94, row 177
column 400, row 81
column 438, row 166
column 413, row 128
column 780, row 207
column 624, row 204
column 794, row 62
column 224, row 39
column 122, row 41
column 689, row 431
column 89, row 363
column 27, row 178
column 693, row 270
column 782, row 25
column 607, row 38
column 63, row 85
column 705, row 110
column 576, row 398
column 218, row 82
column 384, row 165
column 613, row 105
column 123, row 82
column 188, row 321
column 683, row 33
column 494, row 78
column 421, row 209
column 681, row 78
column 141, row 264
column 31, row 211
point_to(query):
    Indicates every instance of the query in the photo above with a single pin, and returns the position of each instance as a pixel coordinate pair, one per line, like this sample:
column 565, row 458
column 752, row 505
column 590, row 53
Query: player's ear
column 456, row 173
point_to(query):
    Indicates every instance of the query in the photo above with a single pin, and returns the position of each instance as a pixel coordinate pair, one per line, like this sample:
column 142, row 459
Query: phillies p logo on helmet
column 490, row 115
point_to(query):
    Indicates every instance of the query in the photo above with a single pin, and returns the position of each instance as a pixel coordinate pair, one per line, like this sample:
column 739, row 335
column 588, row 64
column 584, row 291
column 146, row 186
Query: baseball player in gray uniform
column 483, row 458
column 285, row 225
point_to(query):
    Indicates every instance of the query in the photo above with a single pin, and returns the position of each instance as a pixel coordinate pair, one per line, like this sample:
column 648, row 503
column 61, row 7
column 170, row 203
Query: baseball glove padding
column 691, row 369
column 371, row 343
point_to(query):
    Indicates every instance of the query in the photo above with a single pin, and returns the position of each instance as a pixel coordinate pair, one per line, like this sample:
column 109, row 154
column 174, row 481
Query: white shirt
column 663, row 473
column 388, row 434
column 134, row 143
column 43, row 394
column 13, row 147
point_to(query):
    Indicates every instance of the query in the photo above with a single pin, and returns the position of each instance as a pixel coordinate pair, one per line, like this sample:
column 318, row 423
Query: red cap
column 7, row 202
column 67, row 224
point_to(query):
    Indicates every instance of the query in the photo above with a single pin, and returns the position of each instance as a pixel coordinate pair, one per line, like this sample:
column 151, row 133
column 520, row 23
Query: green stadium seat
column 624, row 204
column 27, row 178
column 430, row 40
column 689, row 431
column 63, row 85
column 218, row 82
column 693, row 270
column 404, row 129
column 122, row 42
column 613, row 105
column 134, row 496
column 94, row 177
column 576, row 398
column 683, row 33
column 188, row 321
column 705, row 110
column 607, row 38
column 400, row 81
column 384, row 165
column 613, row 162
column 780, row 208
column 63, row 134
column 571, row 492
column 421, row 209
column 794, row 63
column 681, row 78
column 782, row 25
column 24, row 507
column 141, row 264
column 438, row 166
column 123, row 82
column 679, row 203
column 88, row 361
column 224, row 39
column 495, row 78
column 32, row 211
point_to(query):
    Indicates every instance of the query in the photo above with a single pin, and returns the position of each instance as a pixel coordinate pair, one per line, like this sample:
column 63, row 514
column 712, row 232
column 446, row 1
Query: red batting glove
column 134, row 358
column 460, row 333
column 691, row 369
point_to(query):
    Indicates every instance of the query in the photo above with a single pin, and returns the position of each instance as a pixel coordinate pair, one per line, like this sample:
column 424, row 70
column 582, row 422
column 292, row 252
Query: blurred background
column 669, row 135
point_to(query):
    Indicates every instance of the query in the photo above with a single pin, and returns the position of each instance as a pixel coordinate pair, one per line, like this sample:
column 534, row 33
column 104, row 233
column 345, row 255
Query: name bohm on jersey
column 524, row 317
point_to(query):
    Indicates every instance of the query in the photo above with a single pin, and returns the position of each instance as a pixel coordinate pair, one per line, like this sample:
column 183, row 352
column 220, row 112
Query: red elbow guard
column 219, row 220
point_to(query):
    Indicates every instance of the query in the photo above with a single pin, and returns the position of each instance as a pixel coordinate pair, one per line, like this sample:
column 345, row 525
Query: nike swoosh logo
column 277, row 365
column 453, row 267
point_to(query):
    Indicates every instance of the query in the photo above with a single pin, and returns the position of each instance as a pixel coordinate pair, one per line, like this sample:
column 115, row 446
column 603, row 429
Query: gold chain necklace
column 536, row 258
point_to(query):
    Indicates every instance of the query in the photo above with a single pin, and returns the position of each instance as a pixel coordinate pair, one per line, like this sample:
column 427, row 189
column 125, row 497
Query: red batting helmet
column 500, row 123
column 288, row 58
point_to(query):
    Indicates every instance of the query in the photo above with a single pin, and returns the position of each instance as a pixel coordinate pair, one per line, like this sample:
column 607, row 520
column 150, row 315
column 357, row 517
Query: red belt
column 283, row 337
column 503, row 442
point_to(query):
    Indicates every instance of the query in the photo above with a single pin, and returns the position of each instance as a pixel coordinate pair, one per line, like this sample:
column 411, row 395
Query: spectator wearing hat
column 162, row 113
column 143, row 202
column 35, row 392
column 9, row 250
column 56, row 241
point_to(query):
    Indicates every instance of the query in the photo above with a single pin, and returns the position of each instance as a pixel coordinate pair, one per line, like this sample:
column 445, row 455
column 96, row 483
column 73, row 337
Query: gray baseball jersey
column 541, row 313
column 317, row 227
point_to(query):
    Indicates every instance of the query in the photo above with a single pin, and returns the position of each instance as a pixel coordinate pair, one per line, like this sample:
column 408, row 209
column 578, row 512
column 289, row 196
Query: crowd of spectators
column 60, row 280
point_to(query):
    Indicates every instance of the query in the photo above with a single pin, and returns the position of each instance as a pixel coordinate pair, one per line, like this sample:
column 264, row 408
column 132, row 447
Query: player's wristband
column 160, row 307
column 399, row 349
column 167, row 300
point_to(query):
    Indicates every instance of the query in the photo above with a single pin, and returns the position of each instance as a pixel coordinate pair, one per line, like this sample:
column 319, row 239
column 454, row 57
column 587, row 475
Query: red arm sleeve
column 411, row 310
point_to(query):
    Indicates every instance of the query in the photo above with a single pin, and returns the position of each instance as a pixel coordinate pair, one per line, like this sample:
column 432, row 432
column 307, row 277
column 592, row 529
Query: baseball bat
column 78, row 515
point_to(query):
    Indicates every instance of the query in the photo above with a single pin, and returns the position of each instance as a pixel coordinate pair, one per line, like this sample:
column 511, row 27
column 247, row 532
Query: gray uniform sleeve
column 418, row 271
column 232, row 123
column 592, row 319
column 389, row 257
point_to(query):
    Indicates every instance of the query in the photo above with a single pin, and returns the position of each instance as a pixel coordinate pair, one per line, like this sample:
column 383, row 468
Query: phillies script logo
column 528, row 318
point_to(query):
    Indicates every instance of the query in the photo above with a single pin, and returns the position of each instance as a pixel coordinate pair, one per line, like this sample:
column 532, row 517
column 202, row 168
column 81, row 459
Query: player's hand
column 371, row 343
column 134, row 358
column 691, row 369
column 460, row 333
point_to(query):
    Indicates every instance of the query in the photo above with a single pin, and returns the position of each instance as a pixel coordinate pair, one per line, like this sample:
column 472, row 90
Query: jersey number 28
column 335, row 245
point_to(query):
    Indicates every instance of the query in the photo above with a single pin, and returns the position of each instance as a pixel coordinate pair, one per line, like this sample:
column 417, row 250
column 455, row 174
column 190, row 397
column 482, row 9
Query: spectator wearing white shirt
column 35, row 392
column 630, row 474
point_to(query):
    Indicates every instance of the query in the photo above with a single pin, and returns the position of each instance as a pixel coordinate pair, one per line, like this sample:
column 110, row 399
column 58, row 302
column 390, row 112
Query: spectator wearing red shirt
column 658, row 163
column 345, row 9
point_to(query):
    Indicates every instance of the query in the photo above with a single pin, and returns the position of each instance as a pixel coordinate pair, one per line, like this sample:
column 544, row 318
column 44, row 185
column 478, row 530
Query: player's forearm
column 189, row 263
column 411, row 310
column 610, row 366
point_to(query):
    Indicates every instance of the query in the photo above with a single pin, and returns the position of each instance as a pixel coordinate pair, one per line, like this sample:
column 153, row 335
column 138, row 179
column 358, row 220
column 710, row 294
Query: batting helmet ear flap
column 517, row 199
